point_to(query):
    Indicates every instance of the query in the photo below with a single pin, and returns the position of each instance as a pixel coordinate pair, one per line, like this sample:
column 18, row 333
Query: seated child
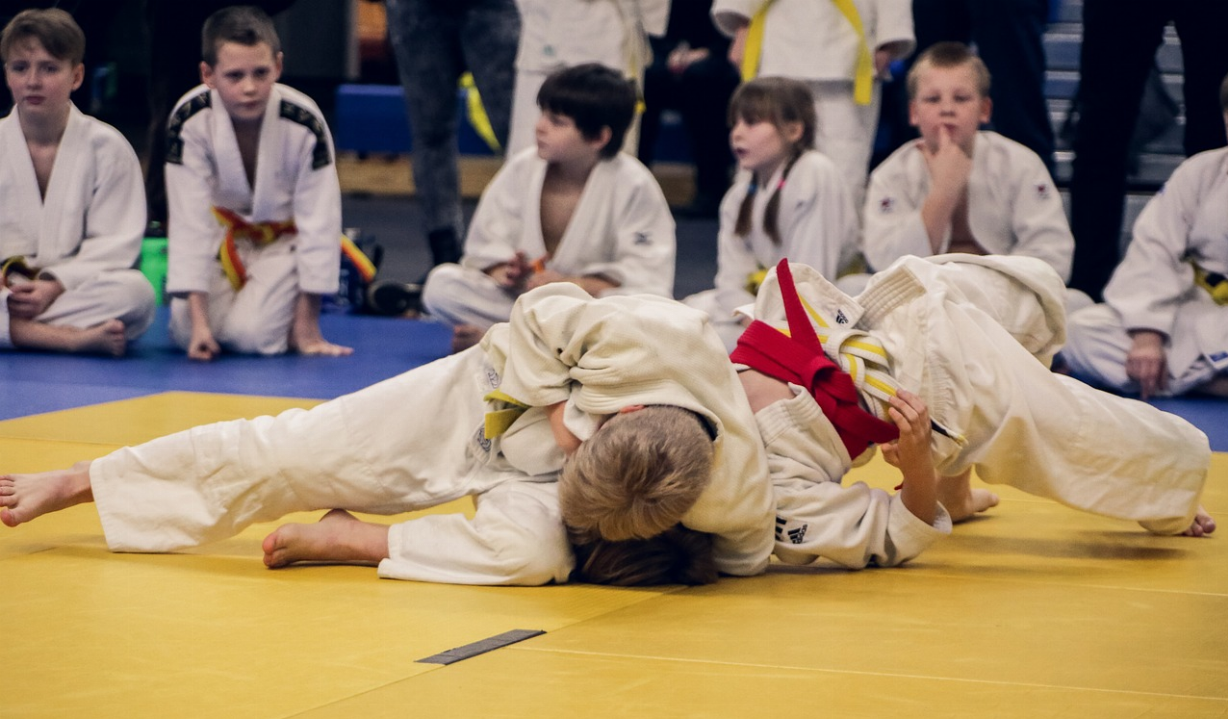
column 255, row 206
column 69, row 237
column 568, row 374
column 1163, row 326
column 572, row 210
column 971, row 338
column 957, row 189
column 787, row 200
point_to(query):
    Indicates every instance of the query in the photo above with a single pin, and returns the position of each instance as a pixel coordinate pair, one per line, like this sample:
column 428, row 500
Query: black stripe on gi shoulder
column 320, row 156
column 174, row 128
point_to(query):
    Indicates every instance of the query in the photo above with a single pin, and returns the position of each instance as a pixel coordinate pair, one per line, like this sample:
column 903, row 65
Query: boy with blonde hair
column 68, row 237
column 568, row 374
column 255, row 205
column 1163, row 326
column 957, row 188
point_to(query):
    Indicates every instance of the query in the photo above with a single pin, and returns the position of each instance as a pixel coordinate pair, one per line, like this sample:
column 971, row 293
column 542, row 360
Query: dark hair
column 54, row 29
column 1223, row 94
column 593, row 96
column 676, row 556
column 243, row 24
column 947, row 55
column 780, row 101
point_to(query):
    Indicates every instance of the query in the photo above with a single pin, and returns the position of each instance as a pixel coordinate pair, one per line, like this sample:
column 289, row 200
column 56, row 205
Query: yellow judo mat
column 1032, row 611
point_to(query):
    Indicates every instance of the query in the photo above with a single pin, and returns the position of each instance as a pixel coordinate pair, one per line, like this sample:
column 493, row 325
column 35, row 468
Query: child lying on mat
column 650, row 446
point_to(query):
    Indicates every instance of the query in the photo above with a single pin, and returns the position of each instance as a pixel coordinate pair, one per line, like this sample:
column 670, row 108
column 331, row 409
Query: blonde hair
column 949, row 55
column 637, row 475
column 676, row 556
column 780, row 101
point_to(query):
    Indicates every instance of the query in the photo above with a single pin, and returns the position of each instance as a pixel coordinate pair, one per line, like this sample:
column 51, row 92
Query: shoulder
column 901, row 164
column 815, row 167
column 196, row 103
column 630, row 177
column 301, row 111
column 1202, row 170
column 104, row 139
column 1005, row 155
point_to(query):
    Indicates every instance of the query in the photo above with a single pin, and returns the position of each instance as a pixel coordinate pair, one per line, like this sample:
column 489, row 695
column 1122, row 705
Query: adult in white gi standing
column 841, row 48
column 574, row 209
column 255, row 205
column 72, row 208
column 1163, row 326
column 575, row 361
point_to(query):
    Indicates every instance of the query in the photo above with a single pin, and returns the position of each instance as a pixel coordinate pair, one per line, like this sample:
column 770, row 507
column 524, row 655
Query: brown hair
column 780, row 101
column 243, row 24
column 593, row 96
column 54, row 29
column 949, row 55
column 676, row 556
column 637, row 475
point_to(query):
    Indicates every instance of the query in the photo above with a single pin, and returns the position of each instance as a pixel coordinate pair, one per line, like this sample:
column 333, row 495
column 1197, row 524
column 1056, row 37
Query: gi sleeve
column 515, row 537
column 115, row 218
column 644, row 242
column 1038, row 221
column 194, row 236
column 816, row 516
column 893, row 225
column 317, row 215
column 893, row 24
column 1147, row 287
column 494, row 233
column 729, row 14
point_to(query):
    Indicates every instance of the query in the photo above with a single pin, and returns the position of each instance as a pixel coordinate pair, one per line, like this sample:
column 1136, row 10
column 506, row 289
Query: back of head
column 1223, row 95
column 778, row 100
column 54, row 29
column 593, row 96
column 949, row 55
column 676, row 556
column 637, row 475
column 241, row 24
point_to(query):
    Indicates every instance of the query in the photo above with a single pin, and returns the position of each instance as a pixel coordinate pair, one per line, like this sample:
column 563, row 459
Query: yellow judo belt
column 265, row 233
column 16, row 266
column 863, row 76
column 1214, row 283
column 498, row 421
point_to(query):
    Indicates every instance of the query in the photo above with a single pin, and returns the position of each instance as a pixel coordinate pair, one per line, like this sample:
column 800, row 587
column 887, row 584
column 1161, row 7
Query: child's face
column 40, row 82
column 761, row 147
column 947, row 99
column 243, row 76
column 559, row 141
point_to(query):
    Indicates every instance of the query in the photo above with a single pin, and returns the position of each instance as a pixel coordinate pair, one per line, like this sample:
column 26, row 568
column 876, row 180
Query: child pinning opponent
column 255, row 205
column 787, row 200
column 72, row 204
column 574, row 209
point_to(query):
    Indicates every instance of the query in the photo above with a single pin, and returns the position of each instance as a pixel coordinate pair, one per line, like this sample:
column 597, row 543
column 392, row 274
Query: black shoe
column 393, row 298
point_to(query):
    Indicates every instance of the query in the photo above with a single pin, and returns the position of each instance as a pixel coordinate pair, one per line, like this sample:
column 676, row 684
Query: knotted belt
column 798, row 357
column 16, row 266
column 266, row 233
column 1214, row 283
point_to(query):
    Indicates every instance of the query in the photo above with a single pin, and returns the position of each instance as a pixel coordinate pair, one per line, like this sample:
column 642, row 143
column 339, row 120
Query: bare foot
column 107, row 338
column 961, row 501
column 466, row 336
column 338, row 537
column 26, row 496
column 1202, row 525
column 320, row 347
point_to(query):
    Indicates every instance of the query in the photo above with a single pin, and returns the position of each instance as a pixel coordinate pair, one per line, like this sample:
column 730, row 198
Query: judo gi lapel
column 69, row 157
column 265, row 201
column 21, row 188
column 233, row 190
column 534, row 241
column 584, row 241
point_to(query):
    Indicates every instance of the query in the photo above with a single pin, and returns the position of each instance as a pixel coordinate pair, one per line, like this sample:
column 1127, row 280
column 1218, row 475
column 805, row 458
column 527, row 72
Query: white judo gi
column 812, row 41
column 1013, row 206
column 972, row 336
column 1153, row 288
column 555, row 35
column 296, row 179
column 417, row 440
column 817, row 223
column 621, row 229
column 86, row 232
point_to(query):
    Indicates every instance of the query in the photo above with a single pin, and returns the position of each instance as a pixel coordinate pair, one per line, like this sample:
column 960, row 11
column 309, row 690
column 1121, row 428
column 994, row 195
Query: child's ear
column 78, row 75
column 912, row 113
column 602, row 138
column 792, row 132
column 986, row 110
column 206, row 74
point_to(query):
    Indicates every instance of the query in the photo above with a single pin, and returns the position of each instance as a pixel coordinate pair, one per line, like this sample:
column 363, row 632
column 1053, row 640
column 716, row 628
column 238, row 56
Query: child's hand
column 949, row 166
column 514, row 274
column 1147, row 363
column 737, row 48
column 912, row 449
column 563, row 437
column 30, row 299
column 203, row 346
column 545, row 277
column 891, row 454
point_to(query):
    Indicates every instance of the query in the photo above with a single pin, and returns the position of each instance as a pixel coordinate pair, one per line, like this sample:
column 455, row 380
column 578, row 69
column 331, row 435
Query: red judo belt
column 798, row 357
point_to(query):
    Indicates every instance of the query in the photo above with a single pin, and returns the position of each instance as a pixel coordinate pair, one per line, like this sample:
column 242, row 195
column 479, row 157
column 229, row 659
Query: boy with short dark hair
column 572, row 210
column 68, row 238
column 255, row 205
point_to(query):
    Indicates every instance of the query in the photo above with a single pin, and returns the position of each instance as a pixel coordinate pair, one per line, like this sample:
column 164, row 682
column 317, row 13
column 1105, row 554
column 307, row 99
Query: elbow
column 529, row 558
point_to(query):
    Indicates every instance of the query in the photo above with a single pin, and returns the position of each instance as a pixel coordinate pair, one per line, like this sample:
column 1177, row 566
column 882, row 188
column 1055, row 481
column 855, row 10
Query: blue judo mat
column 383, row 347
